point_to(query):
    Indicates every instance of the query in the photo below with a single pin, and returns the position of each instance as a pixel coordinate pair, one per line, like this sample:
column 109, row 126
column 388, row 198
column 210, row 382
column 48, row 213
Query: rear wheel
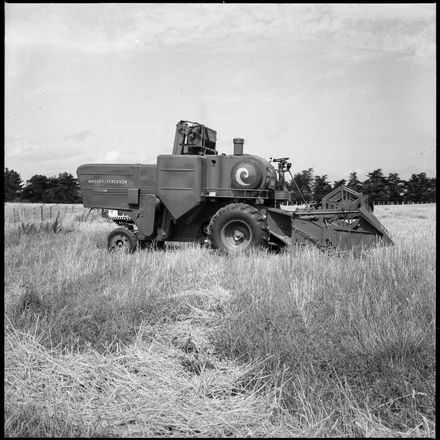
column 238, row 227
column 121, row 239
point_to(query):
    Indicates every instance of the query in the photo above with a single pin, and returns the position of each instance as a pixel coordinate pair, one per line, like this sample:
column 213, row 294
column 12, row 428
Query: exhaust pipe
column 238, row 146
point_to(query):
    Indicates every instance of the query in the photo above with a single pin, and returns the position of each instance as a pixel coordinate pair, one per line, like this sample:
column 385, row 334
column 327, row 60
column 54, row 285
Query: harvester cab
column 229, row 202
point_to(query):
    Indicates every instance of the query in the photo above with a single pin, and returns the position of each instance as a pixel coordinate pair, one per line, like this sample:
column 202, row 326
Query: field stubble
column 187, row 342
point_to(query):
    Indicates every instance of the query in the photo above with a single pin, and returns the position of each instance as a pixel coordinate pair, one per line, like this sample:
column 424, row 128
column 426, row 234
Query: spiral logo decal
column 246, row 175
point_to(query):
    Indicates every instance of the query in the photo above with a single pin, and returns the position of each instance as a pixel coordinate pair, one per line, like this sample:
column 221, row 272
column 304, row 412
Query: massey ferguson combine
column 230, row 202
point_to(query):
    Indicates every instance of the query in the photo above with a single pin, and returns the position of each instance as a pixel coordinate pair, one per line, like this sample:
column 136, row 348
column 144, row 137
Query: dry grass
column 190, row 343
column 151, row 388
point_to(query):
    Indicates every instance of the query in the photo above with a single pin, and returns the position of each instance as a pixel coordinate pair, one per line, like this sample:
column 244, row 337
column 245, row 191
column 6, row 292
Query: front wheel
column 238, row 227
column 121, row 239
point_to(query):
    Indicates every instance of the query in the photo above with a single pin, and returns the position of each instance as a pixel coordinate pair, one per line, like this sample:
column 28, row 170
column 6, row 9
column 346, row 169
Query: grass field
column 187, row 342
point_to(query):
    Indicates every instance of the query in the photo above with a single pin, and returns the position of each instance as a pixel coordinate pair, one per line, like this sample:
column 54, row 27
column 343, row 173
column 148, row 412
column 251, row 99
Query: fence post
column 41, row 212
column 13, row 210
column 50, row 212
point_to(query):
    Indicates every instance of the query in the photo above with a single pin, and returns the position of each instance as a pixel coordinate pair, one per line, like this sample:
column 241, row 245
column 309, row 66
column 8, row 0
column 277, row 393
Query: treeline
column 306, row 187
column 41, row 189
column 380, row 188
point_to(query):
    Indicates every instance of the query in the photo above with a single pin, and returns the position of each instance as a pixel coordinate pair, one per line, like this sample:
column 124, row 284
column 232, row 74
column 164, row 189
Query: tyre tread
column 130, row 234
column 246, row 209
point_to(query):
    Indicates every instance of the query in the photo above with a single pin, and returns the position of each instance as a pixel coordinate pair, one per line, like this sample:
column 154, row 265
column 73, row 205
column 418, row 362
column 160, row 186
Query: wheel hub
column 236, row 235
column 120, row 242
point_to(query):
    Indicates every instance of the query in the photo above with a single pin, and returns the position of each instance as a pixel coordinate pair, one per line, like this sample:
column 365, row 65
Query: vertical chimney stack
column 238, row 146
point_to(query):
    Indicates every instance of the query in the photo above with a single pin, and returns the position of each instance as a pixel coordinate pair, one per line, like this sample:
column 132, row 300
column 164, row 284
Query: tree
column 301, row 186
column 420, row 188
column 375, row 186
column 13, row 185
column 354, row 183
column 35, row 189
column 63, row 189
column 321, row 187
column 395, row 187
column 338, row 183
column 433, row 188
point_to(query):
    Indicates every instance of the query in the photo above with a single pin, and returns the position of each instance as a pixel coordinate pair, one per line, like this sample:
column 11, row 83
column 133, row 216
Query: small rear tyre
column 121, row 239
column 238, row 227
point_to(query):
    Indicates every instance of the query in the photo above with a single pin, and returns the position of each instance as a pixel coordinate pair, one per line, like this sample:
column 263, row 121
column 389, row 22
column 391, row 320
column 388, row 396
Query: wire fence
column 37, row 212
column 300, row 203
column 403, row 203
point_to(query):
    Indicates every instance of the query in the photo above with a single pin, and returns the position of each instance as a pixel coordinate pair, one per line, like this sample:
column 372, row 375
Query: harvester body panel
column 112, row 186
column 179, row 183
column 144, row 216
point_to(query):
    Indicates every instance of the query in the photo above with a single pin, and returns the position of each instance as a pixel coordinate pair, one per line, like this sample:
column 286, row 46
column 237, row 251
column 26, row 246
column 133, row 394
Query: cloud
column 111, row 156
column 29, row 156
column 407, row 30
column 380, row 12
column 21, row 148
column 367, row 31
column 355, row 95
column 80, row 136
column 330, row 74
column 18, row 148
column 223, row 99
column 229, row 99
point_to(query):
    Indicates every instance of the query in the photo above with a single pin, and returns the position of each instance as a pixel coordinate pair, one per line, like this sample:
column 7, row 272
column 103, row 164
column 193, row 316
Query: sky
column 335, row 87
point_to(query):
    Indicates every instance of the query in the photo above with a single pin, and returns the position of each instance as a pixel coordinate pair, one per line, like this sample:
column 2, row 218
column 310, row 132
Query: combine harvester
column 229, row 202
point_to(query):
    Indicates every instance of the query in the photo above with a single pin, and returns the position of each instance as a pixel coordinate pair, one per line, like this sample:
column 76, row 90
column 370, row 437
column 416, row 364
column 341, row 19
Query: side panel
column 244, row 176
column 179, row 182
column 304, row 231
column 147, row 177
column 279, row 223
column 145, row 216
column 115, row 186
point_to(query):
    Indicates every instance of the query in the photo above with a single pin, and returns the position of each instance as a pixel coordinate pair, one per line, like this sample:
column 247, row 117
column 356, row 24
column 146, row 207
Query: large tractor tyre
column 122, row 239
column 238, row 227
